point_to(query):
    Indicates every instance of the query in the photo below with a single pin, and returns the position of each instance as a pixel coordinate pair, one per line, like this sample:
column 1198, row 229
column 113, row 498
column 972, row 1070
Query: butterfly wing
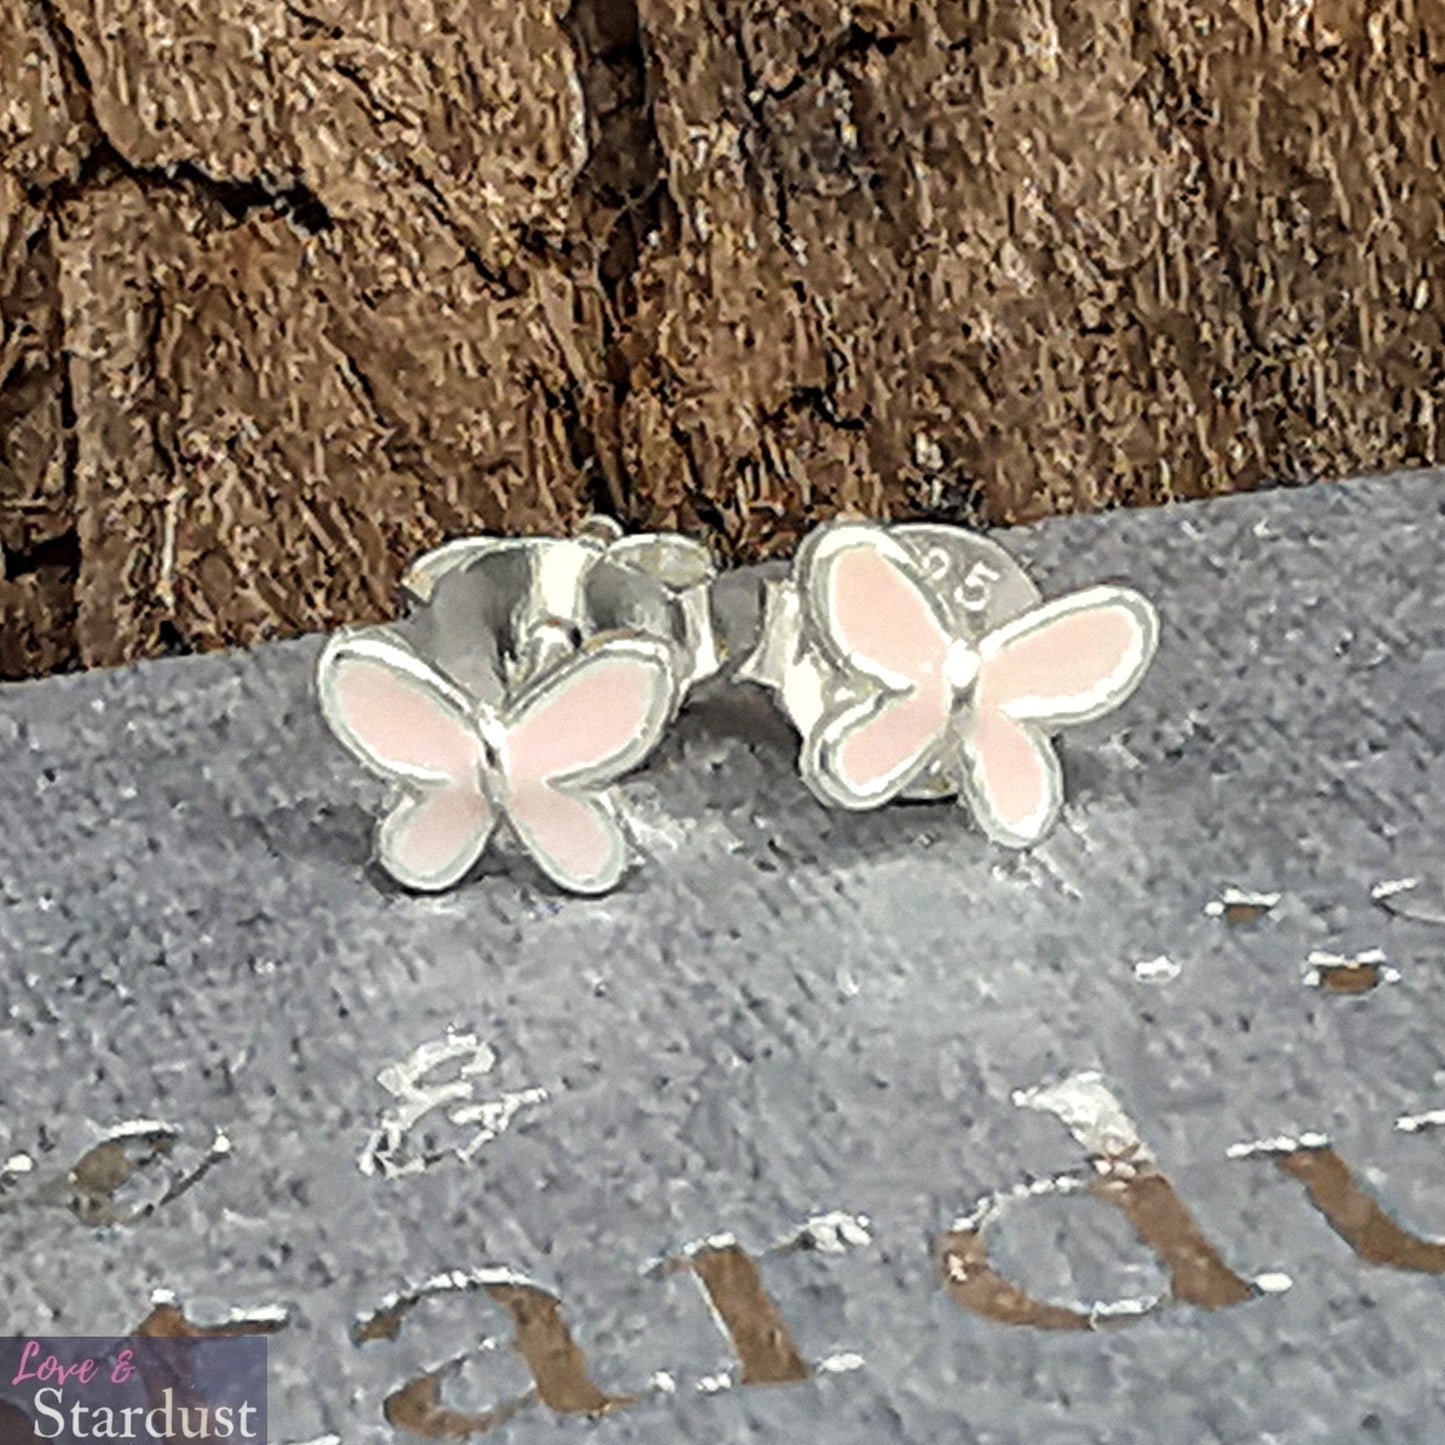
column 407, row 724
column 1066, row 662
column 431, row 842
column 1070, row 660
column 870, row 605
column 584, row 726
column 1012, row 778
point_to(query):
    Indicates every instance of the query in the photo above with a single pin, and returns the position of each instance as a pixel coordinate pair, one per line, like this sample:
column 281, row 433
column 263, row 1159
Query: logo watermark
column 76, row 1388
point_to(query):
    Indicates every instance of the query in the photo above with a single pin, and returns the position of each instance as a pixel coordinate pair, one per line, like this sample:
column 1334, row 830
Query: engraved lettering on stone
column 440, row 1076
column 1125, row 1174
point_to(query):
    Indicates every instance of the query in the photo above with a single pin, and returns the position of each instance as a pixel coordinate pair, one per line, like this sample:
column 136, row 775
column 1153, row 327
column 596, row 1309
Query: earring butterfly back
column 919, row 661
column 527, row 675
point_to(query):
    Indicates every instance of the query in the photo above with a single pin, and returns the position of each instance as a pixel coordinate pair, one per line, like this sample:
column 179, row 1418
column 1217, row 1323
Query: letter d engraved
column 1125, row 1174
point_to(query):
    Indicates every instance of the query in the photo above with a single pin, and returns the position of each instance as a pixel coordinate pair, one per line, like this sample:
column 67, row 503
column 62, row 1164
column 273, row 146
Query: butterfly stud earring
column 527, row 676
column 919, row 661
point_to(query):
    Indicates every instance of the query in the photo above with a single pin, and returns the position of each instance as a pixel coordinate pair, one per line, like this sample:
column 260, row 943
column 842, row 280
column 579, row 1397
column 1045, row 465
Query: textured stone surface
column 786, row 1011
column 289, row 291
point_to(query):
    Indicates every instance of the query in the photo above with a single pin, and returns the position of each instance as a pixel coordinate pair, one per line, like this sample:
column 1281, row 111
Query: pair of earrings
column 529, row 674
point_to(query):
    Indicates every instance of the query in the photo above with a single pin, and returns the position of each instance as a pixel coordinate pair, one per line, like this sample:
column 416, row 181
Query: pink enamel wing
column 542, row 762
column 982, row 711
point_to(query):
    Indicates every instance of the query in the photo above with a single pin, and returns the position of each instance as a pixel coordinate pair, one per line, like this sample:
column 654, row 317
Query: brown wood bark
column 291, row 289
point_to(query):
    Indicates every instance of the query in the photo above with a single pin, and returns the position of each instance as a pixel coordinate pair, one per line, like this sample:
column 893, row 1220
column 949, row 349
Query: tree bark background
column 291, row 289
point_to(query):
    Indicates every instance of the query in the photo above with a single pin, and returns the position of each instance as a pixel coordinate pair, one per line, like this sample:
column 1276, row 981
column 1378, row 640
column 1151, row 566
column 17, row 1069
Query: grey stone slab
column 786, row 1011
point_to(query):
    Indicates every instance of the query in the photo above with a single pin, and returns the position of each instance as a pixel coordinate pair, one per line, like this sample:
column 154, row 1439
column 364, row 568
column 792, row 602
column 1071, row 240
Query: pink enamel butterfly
column 983, row 711
column 541, row 762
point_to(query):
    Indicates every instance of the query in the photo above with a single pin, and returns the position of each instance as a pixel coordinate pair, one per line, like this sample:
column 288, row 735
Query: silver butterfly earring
column 528, row 675
column 919, row 661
